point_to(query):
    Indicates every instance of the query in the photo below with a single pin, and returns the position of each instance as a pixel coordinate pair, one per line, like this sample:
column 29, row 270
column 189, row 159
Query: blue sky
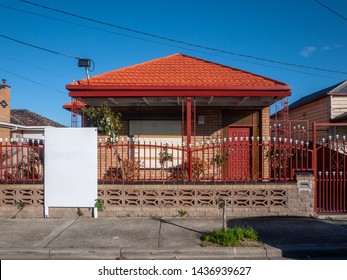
column 294, row 31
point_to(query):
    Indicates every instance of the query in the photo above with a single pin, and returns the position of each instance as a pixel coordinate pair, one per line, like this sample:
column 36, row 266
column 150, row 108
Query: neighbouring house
column 20, row 123
column 28, row 124
column 328, row 105
column 25, row 124
column 21, row 157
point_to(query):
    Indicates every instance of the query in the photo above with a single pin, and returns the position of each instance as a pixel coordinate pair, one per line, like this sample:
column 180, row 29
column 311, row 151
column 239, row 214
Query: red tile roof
column 76, row 103
column 179, row 70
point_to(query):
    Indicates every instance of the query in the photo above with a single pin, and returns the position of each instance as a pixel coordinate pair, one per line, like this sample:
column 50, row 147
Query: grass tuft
column 235, row 236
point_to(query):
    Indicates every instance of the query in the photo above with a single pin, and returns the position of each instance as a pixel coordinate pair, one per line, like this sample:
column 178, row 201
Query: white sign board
column 70, row 167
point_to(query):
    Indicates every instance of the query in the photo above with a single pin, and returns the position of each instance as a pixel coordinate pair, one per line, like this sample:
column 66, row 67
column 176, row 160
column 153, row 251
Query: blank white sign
column 70, row 167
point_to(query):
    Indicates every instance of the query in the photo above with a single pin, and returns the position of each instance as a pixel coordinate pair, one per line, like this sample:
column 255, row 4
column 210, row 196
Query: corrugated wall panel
column 338, row 105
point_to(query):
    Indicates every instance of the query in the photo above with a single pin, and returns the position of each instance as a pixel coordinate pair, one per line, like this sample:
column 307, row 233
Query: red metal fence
column 224, row 160
column 21, row 161
column 221, row 160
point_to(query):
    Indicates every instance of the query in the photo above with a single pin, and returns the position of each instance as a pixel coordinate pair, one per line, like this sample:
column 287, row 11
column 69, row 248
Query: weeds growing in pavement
column 99, row 204
column 79, row 212
column 182, row 213
column 20, row 206
column 235, row 237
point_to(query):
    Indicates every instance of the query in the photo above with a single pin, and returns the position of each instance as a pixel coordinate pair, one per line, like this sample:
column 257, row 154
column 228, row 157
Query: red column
column 189, row 136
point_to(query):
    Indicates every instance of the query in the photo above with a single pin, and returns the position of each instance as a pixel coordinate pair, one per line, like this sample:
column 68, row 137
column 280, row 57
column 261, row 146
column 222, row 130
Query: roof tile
column 179, row 70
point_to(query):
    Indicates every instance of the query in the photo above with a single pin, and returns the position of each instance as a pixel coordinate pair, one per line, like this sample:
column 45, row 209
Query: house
column 20, row 123
column 28, row 124
column 194, row 133
column 21, row 158
column 180, row 95
column 328, row 106
column 184, row 100
column 25, row 124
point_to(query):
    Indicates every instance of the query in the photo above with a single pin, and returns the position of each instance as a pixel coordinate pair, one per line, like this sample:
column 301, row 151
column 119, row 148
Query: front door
column 239, row 153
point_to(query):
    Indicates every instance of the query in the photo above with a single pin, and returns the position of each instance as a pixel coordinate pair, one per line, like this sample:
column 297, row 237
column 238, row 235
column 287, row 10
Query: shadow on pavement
column 300, row 237
column 166, row 221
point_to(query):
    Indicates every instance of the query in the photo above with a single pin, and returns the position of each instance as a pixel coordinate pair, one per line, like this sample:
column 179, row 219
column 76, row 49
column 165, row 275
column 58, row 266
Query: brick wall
column 158, row 200
column 5, row 109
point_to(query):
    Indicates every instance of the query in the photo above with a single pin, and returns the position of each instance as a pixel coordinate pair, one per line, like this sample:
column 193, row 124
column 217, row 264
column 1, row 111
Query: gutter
column 14, row 127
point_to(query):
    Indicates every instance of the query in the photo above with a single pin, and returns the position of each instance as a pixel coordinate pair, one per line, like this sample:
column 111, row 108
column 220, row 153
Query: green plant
column 79, row 212
column 99, row 205
column 20, row 206
column 182, row 213
column 235, row 236
column 104, row 119
column 164, row 156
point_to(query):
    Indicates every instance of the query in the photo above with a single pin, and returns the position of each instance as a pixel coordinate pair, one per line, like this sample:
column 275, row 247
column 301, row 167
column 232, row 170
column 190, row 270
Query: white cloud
column 329, row 48
column 307, row 51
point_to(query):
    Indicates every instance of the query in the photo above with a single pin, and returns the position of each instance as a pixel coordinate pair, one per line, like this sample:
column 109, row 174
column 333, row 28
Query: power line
column 126, row 35
column 38, row 47
column 30, row 80
column 34, row 66
column 183, row 42
column 157, row 42
column 100, row 29
column 331, row 10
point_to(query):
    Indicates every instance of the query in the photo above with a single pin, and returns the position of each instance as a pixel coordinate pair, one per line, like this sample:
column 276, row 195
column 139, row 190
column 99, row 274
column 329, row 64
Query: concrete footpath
column 168, row 238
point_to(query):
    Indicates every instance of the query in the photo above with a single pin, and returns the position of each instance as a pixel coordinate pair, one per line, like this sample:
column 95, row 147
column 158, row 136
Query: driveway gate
column 330, row 150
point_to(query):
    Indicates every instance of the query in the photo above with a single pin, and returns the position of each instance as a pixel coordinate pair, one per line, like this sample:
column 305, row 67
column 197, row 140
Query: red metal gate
column 330, row 167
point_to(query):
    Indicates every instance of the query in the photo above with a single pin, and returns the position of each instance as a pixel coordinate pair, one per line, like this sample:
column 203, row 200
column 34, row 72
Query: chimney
column 3, row 82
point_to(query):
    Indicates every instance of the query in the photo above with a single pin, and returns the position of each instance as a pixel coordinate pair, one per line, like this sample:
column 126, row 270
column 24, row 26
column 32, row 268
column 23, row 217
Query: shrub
column 164, row 157
column 181, row 171
column 128, row 170
column 113, row 173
